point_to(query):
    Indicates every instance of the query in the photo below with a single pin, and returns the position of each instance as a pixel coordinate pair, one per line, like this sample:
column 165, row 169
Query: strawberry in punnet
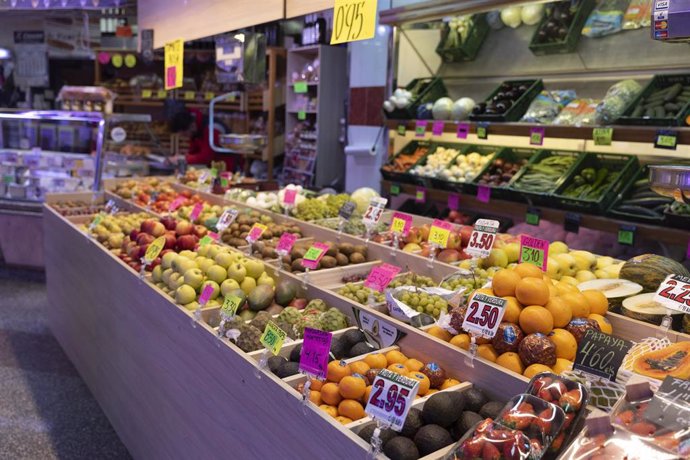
column 568, row 420
column 557, row 389
column 557, row 442
column 490, row 452
column 473, row 447
column 571, row 401
column 625, row 418
column 544, row 420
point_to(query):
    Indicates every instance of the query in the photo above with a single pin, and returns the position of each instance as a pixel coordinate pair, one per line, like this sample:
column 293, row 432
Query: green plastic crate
column 427, row 90
column 518, row 109
column 405, row 176
column 468, row 50
column 625, row 194
column 569, row 44
column 508, row 154
column 543, row 197
column 658, row 82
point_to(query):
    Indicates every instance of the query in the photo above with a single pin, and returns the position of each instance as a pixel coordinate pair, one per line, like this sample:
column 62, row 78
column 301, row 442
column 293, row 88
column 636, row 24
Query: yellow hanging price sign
column 174, row 54
column 353, row 20
column 230, row 305
column 273, row 338
column 154, row 249
column 439, row 233
column 398, row 225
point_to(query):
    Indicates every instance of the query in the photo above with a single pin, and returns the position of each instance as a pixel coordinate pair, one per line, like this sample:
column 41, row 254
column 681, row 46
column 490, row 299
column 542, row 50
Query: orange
column 504, row 282
column 532, row 291
column 315, row 397
column 424, row 382
column 330, row 410
column 513, row 309
column 487, row 352
column 566, row 345
column 511, row 361
column 562, row 365
column 398, row 368
column 535, row 369
column 447, row 383
column 432, row 391
column 597, row 301
column 359, row 367
column 528, row 270
column 352, row 387
column 553, row 291
column 564, row 288
column 560, row 310
column 343, row 420
column 439, row 333
column 461, row 341
column 337, row 370
column 604, row 323
column 330, row 394
column 578, row 304
column 414, row 365
column 367, row 392
column 351, row 409
column 394, row 357
column 316, row 384
column 376, row 360
column 536, row 319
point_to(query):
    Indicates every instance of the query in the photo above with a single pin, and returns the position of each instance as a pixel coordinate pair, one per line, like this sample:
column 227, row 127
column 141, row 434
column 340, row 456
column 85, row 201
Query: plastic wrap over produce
column 405, row 313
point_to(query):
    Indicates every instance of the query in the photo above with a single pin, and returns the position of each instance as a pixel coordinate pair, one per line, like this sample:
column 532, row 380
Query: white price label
column 483, row 315
column 674, row 293
column 374, row 211
column 226, row 219
column 482, row 238
column 391, row 397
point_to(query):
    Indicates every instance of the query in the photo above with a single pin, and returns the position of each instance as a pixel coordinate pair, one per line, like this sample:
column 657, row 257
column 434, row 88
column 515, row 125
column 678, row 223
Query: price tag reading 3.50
column 534, row 251
column 482, row 238
column 353, row 20
column 483, row 315
column 674, row 293
column 391, row 397
column 374, row 211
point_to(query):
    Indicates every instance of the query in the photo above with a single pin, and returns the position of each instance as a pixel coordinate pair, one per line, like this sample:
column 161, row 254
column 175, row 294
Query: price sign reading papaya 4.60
column 353, row 20
column 391, row 397
column 482, row 238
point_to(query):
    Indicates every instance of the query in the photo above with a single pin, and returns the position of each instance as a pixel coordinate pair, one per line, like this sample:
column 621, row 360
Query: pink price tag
column 196, row 212
column 171, row 75
column 289, row 197
column 420, row 196
column 437, row 128
column 484, row 194
column 214, row 236
column 453, row 201
column 176, row 203
column 313, row 256
column 463, row 130
column 420, row 128
column 313, row 359
column 534, row 251
column 287, row 240
column 255, row 232
column 103, row 57
column 381, row 276
column 401, row 223
column 206, row 294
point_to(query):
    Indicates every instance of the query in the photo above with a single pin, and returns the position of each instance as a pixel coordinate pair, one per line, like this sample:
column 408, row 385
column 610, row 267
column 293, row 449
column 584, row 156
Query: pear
column 570, row 280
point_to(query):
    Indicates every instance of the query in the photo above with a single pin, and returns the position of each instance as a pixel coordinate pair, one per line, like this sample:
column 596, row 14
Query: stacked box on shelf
column 649, row 109
column 569, row 44
column 543, row 196
column 468, row 49
column 624, row 166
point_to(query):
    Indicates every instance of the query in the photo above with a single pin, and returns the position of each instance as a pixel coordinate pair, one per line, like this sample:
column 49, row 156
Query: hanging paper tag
column 440, row 232
column 437, row 128
column 420, row 128
column 146, row 94
column 602, row 136
column 189, row 95
column 401, row 223
column 347, row 209
column 273, row 338
column 206, row 294
column 210, row 237
column 154, row 249
column 482, row 130
column 381, row 276
column 600, row 354
column 674, row 293
column 374, row 211
column 313, row 255
column 666, row 139
column 626, row 235
column 300, row 87
column 483, row 193
column 453, row 201
column 536, row 135
column 316, row 347
column 391, row 397
column 353, row 20
column 196, row 212
column 289, row 196
column 255, row 232
column 484, row 315
column 230, row 305
column 533, row 216
column 534, row 251
column 285, row 243
column 420, row 196
column 226, row 219
column 482, row 238
column 395, row 189
column 209, row 95
column 463, row 130
column 176, row 203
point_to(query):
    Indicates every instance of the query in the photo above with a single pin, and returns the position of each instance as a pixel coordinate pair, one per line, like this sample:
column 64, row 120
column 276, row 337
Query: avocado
column 491, row 409
column 467, row 420
column 287, row 369
column 353, row 336
column 286, row 291
column 439, row 410
column 413, row 422
column 260, row 298
column 367, row 432
column 359, row 349
column 474, row 399
column 274, row 363
column 338, row 348
column 431, row 438
column 458, row 401
column 401, row 448
column 295, row 353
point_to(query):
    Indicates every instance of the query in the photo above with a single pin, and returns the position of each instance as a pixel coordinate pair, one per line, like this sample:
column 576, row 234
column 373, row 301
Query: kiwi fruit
column 328, row 262
column 357, row 258
column 346, row 248
column 296, row 265
column 332, row 249
column 297, row 252
column 342, row 259
column 361, row 249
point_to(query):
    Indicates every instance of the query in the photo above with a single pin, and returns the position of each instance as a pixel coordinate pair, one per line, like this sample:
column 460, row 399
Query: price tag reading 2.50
column 482, row 238
column 391, row 398
column 484, row 314
column 353, row 20
column 674, row 293
column 374, row 211
column 534, row 251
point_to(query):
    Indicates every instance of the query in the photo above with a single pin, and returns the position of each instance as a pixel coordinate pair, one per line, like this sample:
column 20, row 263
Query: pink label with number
column 483, row 194
column 176, row 203
column 442, row 224
column 454, row 201
column 401, row 223
column 287, row 240
column 290, row 195
column 381, row 276
column 313, row 256
column 171, row 74
column 420, row 128
column 437, row 128
column 214, row 236
column 206, row 294
column 256, row 231
column 463, row 130
column 316, row 348
column 539, row 250
column 196, row 212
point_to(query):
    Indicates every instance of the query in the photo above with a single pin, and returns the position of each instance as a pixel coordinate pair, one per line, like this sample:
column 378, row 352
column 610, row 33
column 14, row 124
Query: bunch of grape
column 412, row 279
column 359, row 293
column 469, row 282
column 423, row 302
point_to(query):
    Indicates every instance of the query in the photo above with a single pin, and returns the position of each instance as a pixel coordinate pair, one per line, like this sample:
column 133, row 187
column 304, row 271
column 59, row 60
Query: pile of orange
column 537, row 304
column 346, row 390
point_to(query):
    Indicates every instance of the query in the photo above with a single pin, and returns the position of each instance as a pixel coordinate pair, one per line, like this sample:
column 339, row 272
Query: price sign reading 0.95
column 391, row 397
column 374, row 211
column 482, row 238
column 600, row 354
column 484, row 314
column 674, row 293
column 353, row 20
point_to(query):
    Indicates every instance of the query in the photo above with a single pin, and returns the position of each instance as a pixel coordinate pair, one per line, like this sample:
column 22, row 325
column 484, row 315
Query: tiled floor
column 46, row 410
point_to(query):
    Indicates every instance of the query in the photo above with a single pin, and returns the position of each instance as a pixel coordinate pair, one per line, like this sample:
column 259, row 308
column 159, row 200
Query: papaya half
column 673, row 360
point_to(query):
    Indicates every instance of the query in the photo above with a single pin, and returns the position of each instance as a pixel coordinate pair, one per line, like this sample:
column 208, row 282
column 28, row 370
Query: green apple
column 179, row 281
column 254, row 268
column 228, row 286
column 497, row 258
column 188, row 254
column 567, row 263
column 558, row 247
column 203, row 250
column 604, row 261
column 553, row 269
column 237, row 272
column 248, row 285
column 194, row 277
column 570, row 280
column 264, row 279
column 216, row 273
column 167, row 259
column 512, row 250
column 165, row 277
column 191, row 306
column 602, row 274
column 214, row 285
column 186, row 264
column 156, row 274
column 205, row 263
column 224, row 259
column 185, row 294
column 172, row 280
column 212, row 251
column 585, row 275
column 212, row 304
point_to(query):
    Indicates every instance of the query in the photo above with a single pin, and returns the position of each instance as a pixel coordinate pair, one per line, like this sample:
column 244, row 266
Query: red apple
column 187, row 242
column 414, row 236
column 145, row 238
column 142, row 251
column 465, row 233
column 169, row 222
column 454, row 241
column 133, row 251
column 133, row 235
column 464, row 255
column 147, row 226
column 170, row 241
column 183, row 228
column 158, row 229
column 200, row 231
column 126, row 259
column 449, row 256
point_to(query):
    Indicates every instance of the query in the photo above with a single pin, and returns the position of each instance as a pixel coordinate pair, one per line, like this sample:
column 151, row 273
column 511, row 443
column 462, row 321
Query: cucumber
column 639, row 110
column 630, row 209
column 670, row 106
column 644, row 194
column 673, row 92
column 649, row 113
column 659, row 112
column 647, row 202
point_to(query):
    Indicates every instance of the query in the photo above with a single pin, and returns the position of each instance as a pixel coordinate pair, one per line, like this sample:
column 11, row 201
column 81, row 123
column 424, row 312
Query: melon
column 649, row 270
column 643, row 307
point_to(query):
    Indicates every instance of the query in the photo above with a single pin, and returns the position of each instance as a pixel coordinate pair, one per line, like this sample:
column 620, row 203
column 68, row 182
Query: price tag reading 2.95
column 373, row 213
column 483, row 315
column 674, row 293
column 482, row 238
column 391, row 397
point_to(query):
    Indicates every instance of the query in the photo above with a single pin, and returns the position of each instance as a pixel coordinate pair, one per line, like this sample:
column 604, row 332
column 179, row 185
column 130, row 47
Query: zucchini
column 649, row 113
column 638, row 210
column 639, row 110
column 671, row 107
column 647, row 202
column 673, row 92
column 644, row 194
column 659, row 112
